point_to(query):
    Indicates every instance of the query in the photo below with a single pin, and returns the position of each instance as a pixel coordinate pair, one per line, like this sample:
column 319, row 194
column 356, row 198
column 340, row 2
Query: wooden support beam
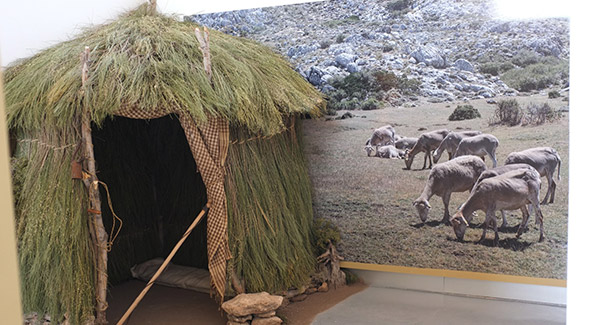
column 204, row 47
column 97, row 231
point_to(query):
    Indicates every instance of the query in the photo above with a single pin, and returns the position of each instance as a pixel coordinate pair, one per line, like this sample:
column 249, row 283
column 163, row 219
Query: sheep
column 499, row 171
column 450, row 142
column 427, row 142
column 382, row 136
column 456, row 175
column 509, row 191
column 545, row 160
column 405, row 143
column 478, row 145
column 388, row 151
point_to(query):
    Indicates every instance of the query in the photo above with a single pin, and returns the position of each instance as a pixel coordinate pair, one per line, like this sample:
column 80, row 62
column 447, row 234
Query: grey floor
column 395, row 306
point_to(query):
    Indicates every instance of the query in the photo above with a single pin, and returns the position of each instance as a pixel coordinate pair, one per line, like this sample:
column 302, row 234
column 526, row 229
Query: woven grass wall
column 153, row 184
column 270, row 211
column 55, row 256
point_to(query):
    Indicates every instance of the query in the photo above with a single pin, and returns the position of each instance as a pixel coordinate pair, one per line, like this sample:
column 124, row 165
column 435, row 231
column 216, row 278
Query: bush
column 495, row 68
column 526, row 57
column 370, row 104
column 509, row 113
column 553, row 94
column 366, row 89
column 324, row 44
column 538, row 114
column 325, row 231
column 399, row 5
column 340, row 38
column 548, row 72
column 464, row 112
column 387, row 48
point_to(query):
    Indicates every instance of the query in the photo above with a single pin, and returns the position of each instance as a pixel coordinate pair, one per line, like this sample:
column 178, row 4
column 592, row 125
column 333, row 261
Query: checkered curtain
column 209, row 143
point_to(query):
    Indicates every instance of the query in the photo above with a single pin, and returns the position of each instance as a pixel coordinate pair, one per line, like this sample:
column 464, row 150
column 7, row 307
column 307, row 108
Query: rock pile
column 443, row 43
column 253, row 308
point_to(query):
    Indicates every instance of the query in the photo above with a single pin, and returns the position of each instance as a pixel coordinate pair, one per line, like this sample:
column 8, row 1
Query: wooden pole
column 163, row 266
column 99, row 236
column 204, row 47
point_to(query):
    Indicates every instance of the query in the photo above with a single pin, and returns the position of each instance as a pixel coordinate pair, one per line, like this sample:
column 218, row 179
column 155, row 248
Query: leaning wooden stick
column 163, row 266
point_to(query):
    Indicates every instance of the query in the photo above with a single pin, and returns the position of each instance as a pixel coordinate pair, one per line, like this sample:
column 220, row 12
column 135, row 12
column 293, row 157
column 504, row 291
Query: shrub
column 386, row 80
column 553, row 94
column 353, row 18
column 537, row 76
column 366, row 89
column 370, row 104
column 464, row 112
column 399, row 5
column 325, row 231
column 408, row 86
column 324, row 44
column 538, row 114
column 526, row 57
column 509, row 113
column 495, row 68
column 340, row 38
column 387, row 48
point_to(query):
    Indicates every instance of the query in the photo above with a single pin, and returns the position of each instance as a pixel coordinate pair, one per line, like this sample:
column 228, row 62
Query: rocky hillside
column 456, row 49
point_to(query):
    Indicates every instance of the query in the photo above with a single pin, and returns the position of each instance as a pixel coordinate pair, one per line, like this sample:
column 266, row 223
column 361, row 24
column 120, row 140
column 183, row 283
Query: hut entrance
column 155, row 190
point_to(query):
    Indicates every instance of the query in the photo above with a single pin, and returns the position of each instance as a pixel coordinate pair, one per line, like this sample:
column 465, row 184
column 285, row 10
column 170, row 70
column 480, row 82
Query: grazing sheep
column 478, row 145
column 405, row 143
column 499, row 171
column 450, row 143
column 545, row 160
column 509, row 191
column 456, row 175
column 382, row 136
column 388, row 151
column 427, row 142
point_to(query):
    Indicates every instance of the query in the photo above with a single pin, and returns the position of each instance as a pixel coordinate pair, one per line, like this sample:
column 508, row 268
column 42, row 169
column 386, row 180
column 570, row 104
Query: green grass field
column 370, row 199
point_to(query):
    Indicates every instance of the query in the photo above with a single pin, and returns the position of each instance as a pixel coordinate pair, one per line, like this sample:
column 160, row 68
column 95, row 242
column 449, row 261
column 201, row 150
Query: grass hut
column 167, row 139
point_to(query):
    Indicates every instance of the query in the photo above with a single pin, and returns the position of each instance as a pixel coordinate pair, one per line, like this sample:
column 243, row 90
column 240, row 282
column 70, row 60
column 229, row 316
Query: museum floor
column 394, row 306
column 356, row 304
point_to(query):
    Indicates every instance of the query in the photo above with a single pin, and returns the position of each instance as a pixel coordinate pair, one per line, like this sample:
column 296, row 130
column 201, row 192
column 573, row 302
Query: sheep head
column 460, row 224
column 423, row 208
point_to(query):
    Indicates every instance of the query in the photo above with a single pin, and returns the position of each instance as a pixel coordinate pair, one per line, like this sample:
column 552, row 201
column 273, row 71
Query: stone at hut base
column 241, row 319
column 324, row 287
column 266, row 315
column 299, row 298
column 237, row 323
column 267, row 321
column 252, row 303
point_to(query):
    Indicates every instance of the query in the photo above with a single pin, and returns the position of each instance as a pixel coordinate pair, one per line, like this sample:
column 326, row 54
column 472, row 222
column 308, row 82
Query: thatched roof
column 152, row 61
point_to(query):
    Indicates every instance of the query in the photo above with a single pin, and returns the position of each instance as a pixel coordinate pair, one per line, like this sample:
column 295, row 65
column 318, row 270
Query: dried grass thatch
column 152, row 62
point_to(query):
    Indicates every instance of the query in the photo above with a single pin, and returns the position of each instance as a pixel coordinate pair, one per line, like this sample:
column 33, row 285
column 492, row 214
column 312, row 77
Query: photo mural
column 425, row 98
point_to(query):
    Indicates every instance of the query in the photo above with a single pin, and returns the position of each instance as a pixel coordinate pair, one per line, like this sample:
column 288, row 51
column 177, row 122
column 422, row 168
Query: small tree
column 508, row 113
column 464, row 112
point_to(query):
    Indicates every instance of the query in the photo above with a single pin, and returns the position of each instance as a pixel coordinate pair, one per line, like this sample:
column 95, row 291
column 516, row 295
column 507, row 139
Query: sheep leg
column 540, row 217
column 495, row 224
column 424, row 161
column 446, row 200
column 550, row 183
column 504, row 223
column 523, row 221
column 449, row 155
column 430, row 159
column 485, row 226
column 552, row 193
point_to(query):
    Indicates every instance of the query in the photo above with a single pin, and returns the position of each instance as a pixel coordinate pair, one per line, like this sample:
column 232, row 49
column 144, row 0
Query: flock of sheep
column 516, row 185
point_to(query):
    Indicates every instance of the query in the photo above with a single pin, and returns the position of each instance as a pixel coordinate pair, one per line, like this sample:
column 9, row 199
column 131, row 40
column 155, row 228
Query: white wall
column 27, row 26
